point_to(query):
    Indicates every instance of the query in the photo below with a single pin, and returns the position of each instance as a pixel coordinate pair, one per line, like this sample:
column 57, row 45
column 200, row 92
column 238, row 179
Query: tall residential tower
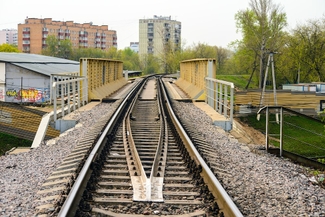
column 158, row 34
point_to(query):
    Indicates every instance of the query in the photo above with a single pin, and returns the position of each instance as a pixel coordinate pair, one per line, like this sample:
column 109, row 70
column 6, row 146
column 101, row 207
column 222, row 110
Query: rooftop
column 45, row 65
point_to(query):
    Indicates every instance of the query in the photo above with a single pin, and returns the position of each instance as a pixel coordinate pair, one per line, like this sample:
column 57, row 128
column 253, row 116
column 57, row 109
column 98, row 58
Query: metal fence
column 293, row 133
column 220, row 96
column 66, row 91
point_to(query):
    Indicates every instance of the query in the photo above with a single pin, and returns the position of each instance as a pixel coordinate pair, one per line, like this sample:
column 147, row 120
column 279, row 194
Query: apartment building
column 134, row 46
column 33, row 33
column 8, row 36
column 157, row 33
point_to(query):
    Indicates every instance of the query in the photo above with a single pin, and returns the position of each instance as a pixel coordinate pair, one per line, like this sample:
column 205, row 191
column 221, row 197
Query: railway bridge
column 104, row 79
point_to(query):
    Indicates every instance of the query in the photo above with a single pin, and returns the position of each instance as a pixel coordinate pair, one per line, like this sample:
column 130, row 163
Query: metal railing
column 289, row 137
column 220, row 96
column 68, row 88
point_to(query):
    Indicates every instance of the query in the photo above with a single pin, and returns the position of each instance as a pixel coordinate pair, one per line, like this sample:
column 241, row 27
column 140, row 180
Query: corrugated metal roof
column 45, row 65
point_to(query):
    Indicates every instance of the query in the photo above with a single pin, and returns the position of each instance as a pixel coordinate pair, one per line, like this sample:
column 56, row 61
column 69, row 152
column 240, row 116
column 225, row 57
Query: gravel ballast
column 259, row 183
column 23, row 174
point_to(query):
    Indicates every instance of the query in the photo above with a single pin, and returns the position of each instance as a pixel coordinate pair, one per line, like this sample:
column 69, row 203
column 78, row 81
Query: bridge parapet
column 197, row 79
column 105, row 76
column 192, row 76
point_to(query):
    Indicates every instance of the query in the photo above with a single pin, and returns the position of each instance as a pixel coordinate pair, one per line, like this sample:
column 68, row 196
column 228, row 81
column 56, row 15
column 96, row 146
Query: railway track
column 144, row 163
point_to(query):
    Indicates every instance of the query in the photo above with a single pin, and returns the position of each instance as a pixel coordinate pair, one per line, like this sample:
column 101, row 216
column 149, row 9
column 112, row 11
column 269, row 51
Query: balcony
column 26, row 30
column 44, row 36
column 45, row 30
column 83, row 34
column 26, row 37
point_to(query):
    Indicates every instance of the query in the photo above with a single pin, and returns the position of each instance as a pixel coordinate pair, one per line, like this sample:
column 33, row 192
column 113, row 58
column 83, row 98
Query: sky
column 210, row 22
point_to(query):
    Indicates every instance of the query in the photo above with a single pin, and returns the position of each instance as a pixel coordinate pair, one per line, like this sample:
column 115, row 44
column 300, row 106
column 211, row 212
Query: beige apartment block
column 158, row 33
column 33, row 33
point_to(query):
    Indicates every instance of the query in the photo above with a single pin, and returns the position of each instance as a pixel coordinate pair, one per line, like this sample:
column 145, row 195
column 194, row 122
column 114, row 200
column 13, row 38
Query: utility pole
column 270, row 61
column 261, row 63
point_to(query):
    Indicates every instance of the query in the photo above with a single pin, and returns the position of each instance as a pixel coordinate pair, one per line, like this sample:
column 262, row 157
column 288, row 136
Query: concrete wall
column 23, row 85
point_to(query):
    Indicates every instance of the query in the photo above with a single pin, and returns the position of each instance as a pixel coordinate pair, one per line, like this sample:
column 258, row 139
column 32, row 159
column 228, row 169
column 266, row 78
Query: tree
column 203, row 50
column 65, row 49
column 222, row 56
column 303, row 58
column 51, row 48
column 8, row 48
column 312, row 43
column 78, row 53
column 58, row 48
column 262, row 29
column 150, row 64
column 130, row 59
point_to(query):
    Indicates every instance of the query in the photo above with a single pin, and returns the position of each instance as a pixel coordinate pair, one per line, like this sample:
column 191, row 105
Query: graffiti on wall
column 29, row 95
column 2, row 94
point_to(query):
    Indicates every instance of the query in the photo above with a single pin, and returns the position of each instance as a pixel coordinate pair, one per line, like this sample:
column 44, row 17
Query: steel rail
column 223, row 199
column 71, row 203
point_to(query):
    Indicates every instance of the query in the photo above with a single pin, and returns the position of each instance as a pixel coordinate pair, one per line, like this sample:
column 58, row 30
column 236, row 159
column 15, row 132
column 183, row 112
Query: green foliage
column 9, row 48
column 262, row 28
column 78, row 53
column 301, row 135
column 130, row 60
column 306, row 52
column 58, row 48
column 240, row 81
column 151, row 65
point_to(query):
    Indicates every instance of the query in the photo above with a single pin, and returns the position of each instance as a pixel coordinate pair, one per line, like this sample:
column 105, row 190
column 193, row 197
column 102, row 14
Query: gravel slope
column 23, row 174
column 259, row 183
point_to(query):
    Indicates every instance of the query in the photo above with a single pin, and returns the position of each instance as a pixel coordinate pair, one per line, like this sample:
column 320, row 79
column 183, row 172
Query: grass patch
column 8, row 142
column 240, row 81
column 301, row 135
